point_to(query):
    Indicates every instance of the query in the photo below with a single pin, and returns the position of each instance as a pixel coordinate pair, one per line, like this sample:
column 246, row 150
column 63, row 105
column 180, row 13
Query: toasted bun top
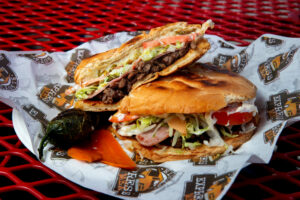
column 199, row 89
column 89, row 67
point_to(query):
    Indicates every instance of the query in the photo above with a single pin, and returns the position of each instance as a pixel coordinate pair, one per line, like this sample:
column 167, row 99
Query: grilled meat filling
column 118, row 89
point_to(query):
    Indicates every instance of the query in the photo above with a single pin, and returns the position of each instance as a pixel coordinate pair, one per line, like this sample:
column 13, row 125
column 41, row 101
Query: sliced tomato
column 151, row 44
column 169, row 40
column 176, row 38
column 121, row 117
column 227, row 116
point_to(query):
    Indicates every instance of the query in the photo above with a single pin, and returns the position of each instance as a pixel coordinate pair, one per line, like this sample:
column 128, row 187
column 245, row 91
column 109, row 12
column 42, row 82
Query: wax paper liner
column 34, row 84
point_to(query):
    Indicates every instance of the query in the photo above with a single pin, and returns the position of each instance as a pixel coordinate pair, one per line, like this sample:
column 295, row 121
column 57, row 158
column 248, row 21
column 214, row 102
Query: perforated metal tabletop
column 62, row 25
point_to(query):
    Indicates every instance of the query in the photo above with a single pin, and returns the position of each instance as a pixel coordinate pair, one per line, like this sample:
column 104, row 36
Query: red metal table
column 62, row 25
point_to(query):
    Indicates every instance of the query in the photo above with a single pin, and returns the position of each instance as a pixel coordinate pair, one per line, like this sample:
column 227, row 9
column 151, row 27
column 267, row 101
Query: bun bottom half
column 162, row 153
column 166, row 153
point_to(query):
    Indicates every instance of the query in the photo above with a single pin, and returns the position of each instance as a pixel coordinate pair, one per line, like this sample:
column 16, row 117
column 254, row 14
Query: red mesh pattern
column 62, row 25
column 280, row 179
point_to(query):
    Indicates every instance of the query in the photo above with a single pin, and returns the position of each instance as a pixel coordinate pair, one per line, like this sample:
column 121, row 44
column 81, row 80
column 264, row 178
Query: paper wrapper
column 34, row 84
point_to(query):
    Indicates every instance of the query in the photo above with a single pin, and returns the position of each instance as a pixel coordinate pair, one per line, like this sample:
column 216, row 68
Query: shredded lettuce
column 192, row 126
column 143, row 122
column 115, row 73
column 171, row 130
column 110, row 77
column 150, row 53
column 83, row 93
column 109, row 68
column 175, row 138
column 212, row 132
column 179, row 44
column 101, row 85
column 183, row 141
column 131, row 58
column 227, row 134
column 192, row 145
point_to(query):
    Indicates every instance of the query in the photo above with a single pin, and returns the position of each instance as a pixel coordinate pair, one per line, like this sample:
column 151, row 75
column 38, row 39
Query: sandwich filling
column 115, row 81
column 188, row 130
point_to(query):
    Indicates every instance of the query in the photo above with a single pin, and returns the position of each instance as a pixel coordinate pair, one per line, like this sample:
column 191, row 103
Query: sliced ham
column 92, row 81
column 149, row 139
column 100, row 90
column 102, row 77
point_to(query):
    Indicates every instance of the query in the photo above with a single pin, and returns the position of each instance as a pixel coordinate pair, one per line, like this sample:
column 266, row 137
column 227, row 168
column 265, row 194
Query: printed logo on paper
column 207, row 186
column 271, row 42
column 221, row 59
column 106, row 38
column 54, row 95
column 206, row 160
column 8, row 79
column 40, row 58
column 269, row 70
column 75, row 60
column 283, row 106
column 36, row 114
column 142, row 180
column 142, row 161
column 232, row 63
column 270, row 134
column 225, row 45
